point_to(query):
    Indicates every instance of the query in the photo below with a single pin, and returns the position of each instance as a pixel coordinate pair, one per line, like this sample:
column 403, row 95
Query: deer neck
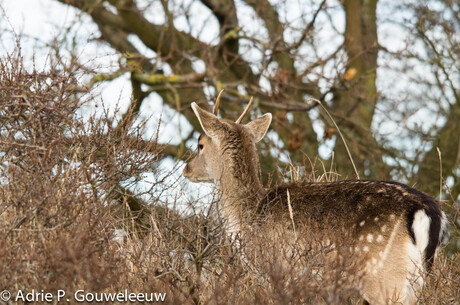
column 240, row 192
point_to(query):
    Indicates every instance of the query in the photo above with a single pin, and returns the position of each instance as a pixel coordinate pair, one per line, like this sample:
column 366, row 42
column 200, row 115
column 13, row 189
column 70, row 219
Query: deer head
column 226, row 149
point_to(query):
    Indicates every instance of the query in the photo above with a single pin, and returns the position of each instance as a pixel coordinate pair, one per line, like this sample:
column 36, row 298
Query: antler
column 245, row 111
column 216, row 106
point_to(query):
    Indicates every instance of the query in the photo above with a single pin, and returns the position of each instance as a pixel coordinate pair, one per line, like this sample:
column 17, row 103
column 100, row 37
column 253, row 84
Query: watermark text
column 81, row 296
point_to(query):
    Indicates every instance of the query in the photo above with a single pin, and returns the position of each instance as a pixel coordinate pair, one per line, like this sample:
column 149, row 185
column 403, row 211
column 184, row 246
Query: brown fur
column 378, row 216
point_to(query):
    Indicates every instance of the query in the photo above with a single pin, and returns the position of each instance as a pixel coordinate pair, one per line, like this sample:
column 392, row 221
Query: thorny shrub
column 65, row 198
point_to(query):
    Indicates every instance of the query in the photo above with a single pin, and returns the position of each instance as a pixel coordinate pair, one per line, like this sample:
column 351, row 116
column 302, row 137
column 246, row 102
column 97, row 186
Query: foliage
column 375, row 85
column 72, row 218
column 64, row 223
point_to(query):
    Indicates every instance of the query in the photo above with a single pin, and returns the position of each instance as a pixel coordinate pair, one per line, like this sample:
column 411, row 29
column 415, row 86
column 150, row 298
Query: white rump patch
column 421, row 227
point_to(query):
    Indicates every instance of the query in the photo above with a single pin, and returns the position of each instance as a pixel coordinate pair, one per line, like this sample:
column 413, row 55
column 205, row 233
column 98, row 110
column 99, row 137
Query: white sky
column 41, row 20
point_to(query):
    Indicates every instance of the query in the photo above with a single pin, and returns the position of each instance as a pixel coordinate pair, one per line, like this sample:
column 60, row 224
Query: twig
column 340, row 133
column 440, row 173
column 291, row 214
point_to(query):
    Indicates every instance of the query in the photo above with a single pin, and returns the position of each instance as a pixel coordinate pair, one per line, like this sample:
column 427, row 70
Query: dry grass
column 64, row 193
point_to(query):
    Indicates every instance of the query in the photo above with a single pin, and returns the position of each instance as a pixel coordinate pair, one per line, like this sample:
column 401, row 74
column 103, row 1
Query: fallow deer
column 396, row 229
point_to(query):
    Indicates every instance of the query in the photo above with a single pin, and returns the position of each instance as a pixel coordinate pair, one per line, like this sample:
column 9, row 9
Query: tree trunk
column 355, row 96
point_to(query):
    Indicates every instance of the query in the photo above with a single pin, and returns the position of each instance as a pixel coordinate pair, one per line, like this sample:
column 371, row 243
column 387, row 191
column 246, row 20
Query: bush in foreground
column 70, row 221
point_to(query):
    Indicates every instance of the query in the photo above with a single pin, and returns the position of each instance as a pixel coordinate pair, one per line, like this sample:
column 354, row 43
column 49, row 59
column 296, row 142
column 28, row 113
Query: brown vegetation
column 65, row 193
column 390, row 62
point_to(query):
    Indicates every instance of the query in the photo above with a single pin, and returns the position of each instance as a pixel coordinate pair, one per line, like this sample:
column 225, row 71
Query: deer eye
column 200, row 146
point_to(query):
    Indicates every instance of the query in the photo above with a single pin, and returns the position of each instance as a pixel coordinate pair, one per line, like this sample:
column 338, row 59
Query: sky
column 39, row 21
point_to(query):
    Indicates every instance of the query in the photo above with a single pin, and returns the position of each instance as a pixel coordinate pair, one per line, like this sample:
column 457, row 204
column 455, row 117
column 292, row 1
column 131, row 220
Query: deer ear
column 259, row 126
column 208, row 121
